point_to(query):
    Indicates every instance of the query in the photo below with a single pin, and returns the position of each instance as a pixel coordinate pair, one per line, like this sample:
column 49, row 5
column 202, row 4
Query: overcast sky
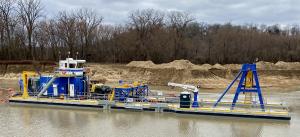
column 210, row 11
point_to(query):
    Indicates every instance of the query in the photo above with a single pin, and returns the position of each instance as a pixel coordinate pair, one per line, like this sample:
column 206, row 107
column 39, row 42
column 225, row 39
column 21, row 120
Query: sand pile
column 288, row 65
column 12, row 75
column 233, row 66
column 141, row 64
column 202, row 67
column 105, row 73
column 218, row 66
column 183, row 71
column 265, row 65
column 3, row 97
column 177, row 64
column 282, row 63
column 5, row 94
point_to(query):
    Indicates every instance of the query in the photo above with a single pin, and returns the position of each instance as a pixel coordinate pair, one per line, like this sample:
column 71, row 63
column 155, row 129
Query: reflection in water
column 26, row 117
column 124, row 121
column 184, row 126
column 38, row 121
column 249, row 129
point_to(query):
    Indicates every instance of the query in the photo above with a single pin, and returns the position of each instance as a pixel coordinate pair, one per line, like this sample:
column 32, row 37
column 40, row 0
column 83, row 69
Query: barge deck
column 274, row 113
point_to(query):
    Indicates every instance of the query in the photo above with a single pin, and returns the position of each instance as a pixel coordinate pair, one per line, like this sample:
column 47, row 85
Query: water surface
column 41, row 121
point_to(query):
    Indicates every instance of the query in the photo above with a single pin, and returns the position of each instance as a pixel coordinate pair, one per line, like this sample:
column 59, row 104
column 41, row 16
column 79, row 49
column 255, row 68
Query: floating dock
column 279, row 114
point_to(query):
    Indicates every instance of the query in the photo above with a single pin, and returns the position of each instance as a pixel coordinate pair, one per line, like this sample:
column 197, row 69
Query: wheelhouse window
column 72, row 65
column 80, row 65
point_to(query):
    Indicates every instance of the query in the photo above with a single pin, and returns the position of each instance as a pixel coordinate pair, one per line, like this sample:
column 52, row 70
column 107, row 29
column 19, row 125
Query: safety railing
column 175, row 103
column 239, row 107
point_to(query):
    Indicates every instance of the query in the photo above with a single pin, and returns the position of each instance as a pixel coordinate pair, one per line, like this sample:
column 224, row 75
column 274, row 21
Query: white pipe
column 187, row 87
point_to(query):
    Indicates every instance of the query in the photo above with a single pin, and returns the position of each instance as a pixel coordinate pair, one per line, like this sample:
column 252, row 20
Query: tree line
column 27, row 34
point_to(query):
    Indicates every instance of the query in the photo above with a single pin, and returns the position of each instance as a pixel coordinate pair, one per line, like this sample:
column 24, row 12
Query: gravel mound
column 141, row 64
column 218, row 66
column 177, row 64
column 288, row 65
column 265, row 65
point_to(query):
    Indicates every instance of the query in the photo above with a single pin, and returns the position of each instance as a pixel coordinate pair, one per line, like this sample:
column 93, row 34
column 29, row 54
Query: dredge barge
column 70, row 85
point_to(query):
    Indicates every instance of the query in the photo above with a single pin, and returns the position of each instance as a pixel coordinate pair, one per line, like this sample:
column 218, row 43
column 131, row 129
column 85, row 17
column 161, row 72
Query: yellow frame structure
column 25, row 76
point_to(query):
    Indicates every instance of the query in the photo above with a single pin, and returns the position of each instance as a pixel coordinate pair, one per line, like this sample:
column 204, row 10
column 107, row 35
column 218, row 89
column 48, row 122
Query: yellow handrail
column 112, row 95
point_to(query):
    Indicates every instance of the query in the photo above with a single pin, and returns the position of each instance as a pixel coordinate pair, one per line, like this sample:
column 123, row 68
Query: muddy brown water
column 40, row 121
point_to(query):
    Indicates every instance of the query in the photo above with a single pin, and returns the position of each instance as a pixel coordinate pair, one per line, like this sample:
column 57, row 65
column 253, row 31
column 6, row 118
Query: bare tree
column 149, row 35
column 7, row 25
column 66, row 29
column 54, row 39
column 29, row 12
column 145, row 23
column 6, row 9
column 42, row 38
column 88, row 24
column 178, row 22
column 2, row 30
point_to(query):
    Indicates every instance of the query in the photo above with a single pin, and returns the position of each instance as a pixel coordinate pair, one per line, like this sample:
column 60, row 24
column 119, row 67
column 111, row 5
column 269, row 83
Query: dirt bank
column 278, row 75
column 5, row 94
column 281, row 74
column 12, row 71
